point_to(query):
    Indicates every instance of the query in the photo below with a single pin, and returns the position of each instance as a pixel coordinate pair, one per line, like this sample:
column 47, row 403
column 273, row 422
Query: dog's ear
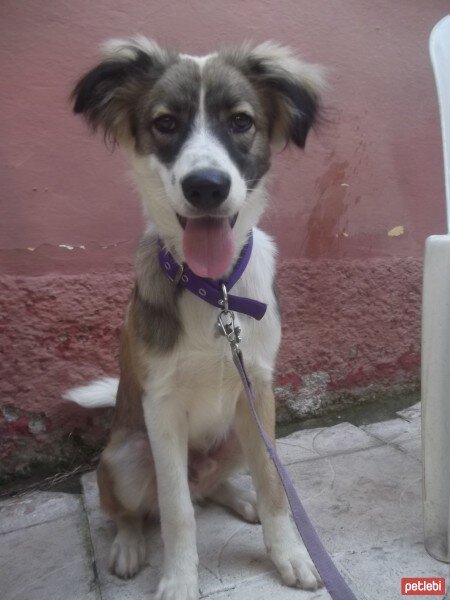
column 292, row 89
column 107, row 95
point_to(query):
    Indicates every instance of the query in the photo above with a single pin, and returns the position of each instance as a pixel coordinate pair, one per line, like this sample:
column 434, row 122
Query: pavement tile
column 361, row 499
column 313, row 443
column 268, row 588
column 48, row 560
column 380, row 568
column 36, row 507
column 411, row 413
column 404, row 434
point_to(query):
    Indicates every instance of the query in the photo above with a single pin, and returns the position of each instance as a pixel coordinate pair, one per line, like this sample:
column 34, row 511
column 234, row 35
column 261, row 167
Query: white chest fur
column 199, row 373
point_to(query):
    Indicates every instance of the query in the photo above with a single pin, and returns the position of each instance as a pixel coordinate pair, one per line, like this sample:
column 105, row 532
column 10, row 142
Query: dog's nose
column 206, row 188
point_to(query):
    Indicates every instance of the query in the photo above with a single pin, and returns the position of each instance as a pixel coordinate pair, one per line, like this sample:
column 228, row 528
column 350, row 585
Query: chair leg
column 436, row 396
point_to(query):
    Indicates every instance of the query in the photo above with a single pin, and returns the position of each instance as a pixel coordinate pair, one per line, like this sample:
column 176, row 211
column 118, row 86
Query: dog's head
column 198, row 132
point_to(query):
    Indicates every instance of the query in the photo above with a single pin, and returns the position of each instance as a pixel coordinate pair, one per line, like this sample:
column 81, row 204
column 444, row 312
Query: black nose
column 206, row 188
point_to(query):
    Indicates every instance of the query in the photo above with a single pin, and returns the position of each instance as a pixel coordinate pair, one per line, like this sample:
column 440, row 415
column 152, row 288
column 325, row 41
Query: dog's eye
column 240, row 122
column 165, row 124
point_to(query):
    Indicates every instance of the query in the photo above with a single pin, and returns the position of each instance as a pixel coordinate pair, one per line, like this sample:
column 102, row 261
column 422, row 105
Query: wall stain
column 322, row 234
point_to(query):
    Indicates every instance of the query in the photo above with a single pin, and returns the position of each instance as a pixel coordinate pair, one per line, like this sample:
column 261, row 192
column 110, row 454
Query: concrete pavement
column 360, row 485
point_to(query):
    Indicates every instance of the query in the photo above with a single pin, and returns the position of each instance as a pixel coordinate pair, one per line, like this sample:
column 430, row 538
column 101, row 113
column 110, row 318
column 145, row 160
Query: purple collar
column 210, row 290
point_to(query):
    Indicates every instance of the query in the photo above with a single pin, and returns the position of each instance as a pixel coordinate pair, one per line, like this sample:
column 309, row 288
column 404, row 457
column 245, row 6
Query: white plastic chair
column 436, row 336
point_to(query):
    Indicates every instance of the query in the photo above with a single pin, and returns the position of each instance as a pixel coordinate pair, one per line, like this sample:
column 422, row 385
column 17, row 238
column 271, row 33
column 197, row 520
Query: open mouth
column 208, row 244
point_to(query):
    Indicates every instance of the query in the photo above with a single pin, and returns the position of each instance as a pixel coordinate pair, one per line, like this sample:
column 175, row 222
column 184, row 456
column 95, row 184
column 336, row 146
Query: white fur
column 200, row 371
column 200, row 60
column 127, row 49
column 97, row 394
column 128, row 550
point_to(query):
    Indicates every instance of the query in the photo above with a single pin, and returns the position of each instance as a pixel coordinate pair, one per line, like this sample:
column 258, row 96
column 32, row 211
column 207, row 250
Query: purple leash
column 333, row 580
column 215, row 292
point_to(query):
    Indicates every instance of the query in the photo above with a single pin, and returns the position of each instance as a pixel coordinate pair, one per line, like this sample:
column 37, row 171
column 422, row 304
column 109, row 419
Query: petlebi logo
column 423, row 586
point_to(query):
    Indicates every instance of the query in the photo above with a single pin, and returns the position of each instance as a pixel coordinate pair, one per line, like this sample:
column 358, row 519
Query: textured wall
column 350, row 214
column 343, row 333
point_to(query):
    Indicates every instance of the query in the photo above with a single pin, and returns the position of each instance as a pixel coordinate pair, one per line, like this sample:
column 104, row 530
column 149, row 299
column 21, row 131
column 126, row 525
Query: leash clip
column 226, row 323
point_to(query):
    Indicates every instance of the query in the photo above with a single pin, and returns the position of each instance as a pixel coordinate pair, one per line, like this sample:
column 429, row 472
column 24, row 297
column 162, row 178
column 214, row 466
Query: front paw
column 177, row 586
column 295, row 566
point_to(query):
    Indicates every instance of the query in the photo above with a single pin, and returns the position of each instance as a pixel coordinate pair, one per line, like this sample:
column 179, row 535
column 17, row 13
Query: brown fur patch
column 288, row 88
column 153, row 312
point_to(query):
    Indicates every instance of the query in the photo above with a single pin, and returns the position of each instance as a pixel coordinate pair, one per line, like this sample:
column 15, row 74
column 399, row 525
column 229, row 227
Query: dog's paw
column 240, row 500
column 127, row 555
column 245, row 506
column 177, row 586
column 295, row 566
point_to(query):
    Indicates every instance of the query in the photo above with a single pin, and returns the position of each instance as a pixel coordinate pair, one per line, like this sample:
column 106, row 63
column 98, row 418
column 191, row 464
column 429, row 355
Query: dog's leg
column 168, row 430
column 282, row 542
column 126, row 482
column 240, row 500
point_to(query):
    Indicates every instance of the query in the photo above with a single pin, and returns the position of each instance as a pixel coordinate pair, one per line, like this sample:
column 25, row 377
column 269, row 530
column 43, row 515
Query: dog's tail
column 96, row 394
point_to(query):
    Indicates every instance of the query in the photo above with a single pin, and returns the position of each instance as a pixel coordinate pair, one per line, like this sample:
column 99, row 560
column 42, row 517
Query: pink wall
column 61, row 187
column 376, row 166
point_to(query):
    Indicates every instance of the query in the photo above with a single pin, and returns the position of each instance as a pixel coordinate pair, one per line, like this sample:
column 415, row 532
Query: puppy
column 198, row 133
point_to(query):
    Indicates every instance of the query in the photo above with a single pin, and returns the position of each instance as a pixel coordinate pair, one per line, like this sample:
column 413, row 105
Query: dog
column 198, row 133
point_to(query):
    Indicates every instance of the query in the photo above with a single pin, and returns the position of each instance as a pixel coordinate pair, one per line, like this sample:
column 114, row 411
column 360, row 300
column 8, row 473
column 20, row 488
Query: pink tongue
column 208, row 246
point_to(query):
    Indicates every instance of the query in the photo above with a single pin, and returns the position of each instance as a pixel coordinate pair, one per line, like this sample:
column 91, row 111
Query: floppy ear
column 107, row 96
column 293, row 89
